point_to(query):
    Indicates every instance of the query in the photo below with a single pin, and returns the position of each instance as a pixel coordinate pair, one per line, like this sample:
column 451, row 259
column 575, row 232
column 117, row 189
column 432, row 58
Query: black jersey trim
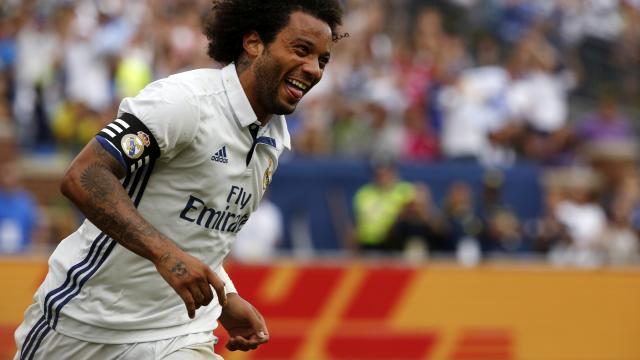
column 129, row 140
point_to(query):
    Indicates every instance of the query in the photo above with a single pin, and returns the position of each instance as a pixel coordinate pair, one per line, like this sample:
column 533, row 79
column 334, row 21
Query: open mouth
column 296, row 88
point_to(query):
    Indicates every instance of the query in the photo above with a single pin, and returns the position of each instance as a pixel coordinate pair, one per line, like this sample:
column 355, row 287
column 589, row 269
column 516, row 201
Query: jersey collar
column 238, row 99
column 243, row 110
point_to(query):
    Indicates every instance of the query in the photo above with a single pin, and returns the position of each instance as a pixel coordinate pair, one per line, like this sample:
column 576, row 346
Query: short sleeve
column 157, row 123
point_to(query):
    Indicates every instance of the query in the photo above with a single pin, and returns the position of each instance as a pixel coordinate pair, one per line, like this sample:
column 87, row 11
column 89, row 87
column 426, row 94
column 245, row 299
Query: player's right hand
column 190, row 278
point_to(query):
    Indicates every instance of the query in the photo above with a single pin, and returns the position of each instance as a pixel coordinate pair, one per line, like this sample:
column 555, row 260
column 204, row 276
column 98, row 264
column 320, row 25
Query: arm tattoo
column 96, row 184
column 109, row 207
column 179, row 268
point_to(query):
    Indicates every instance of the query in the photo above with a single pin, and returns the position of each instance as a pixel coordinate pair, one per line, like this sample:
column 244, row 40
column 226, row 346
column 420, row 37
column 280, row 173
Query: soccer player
column 167, row 185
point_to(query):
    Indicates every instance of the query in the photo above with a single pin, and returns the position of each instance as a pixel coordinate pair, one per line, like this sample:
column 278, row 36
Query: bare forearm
column 92, row 183
column 100, row 196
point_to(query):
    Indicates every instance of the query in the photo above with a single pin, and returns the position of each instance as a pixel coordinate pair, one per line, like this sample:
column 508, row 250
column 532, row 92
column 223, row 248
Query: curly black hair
column 230, row 20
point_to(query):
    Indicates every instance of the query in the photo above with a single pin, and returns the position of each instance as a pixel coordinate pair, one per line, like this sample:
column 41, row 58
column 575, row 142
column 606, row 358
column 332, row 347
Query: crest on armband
column 132, row 145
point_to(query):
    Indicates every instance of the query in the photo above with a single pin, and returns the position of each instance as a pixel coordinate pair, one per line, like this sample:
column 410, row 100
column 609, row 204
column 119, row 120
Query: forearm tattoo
column 109, row 207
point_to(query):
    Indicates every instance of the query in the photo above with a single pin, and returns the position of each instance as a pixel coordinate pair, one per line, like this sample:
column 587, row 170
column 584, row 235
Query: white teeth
column 298, row 84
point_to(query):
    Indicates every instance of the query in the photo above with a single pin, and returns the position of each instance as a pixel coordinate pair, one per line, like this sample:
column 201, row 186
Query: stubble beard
column 267, row 71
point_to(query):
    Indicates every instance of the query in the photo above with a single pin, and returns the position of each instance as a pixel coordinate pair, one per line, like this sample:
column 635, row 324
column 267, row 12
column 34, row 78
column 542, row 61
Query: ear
column 252, row 44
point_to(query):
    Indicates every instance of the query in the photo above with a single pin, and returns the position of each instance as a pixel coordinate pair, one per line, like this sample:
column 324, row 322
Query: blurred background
column 465, row 170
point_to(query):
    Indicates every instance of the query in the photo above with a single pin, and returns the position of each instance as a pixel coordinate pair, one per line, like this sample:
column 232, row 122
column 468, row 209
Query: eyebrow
column 306, row 41
column 310, row 44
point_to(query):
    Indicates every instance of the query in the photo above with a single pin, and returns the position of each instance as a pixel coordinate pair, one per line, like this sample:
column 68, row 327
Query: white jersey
column 197, row 166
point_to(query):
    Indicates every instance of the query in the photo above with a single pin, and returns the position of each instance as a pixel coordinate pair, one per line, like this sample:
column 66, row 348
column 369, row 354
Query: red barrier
column 361, row 311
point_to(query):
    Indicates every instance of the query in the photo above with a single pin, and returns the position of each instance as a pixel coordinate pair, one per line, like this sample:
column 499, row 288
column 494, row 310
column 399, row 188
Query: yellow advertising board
column 387, row 310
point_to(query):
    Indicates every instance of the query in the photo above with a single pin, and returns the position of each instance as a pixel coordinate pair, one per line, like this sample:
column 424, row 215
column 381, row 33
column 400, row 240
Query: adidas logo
column 221, row 156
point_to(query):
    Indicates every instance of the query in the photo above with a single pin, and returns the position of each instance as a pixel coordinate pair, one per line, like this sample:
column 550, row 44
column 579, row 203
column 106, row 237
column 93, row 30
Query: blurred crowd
column 489, row 81
column 67, row 64
column 495, row 82
column 580, row 223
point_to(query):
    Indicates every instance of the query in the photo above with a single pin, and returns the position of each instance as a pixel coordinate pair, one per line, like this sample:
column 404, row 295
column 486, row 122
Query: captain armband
column 129, row 141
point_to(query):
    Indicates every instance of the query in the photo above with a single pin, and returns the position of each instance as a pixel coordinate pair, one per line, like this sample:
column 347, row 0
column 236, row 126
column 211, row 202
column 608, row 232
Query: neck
column 248, row 82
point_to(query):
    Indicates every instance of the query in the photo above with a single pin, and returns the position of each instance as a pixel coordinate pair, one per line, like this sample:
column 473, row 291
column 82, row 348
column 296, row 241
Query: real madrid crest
column 132, row 146
column 266, row 179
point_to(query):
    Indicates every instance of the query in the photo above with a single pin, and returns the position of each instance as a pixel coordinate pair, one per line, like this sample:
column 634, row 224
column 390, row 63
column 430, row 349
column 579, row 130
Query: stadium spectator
column 628, row 52
column 608, row 143
column 349, row 134
column 313, row 137
column 386, row 136
column 420, row 140
column 537, row 100
column 134, row 69
column 37, row 55
column 501, row 231
column 620, row 240
column 74, row 124
column 462, row 221
column 473, row 107
column 418, row 226
column 378, row 204
column 18, row 211
column 606, row 124
column 6, row 123
column 595, row 26
column 546, row 233
column 583, row 216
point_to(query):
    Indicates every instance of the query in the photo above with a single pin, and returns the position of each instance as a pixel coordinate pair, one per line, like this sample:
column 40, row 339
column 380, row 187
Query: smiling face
column 290, row 66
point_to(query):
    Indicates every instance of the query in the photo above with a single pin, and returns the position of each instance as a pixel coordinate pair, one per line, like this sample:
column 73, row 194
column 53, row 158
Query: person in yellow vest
column 377, row 205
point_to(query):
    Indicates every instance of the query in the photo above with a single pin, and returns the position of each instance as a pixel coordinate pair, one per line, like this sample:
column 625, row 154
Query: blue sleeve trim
column 266, row 140
column 111, row 149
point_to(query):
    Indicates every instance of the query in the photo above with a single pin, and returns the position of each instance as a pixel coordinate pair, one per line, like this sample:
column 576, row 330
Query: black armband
column 130, row 142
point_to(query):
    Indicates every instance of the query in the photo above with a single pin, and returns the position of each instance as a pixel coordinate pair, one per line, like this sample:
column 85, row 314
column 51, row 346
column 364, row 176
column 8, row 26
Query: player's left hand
column 245, row 325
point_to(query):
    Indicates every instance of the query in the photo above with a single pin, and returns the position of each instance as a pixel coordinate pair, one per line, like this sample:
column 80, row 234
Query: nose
column 312, row 68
